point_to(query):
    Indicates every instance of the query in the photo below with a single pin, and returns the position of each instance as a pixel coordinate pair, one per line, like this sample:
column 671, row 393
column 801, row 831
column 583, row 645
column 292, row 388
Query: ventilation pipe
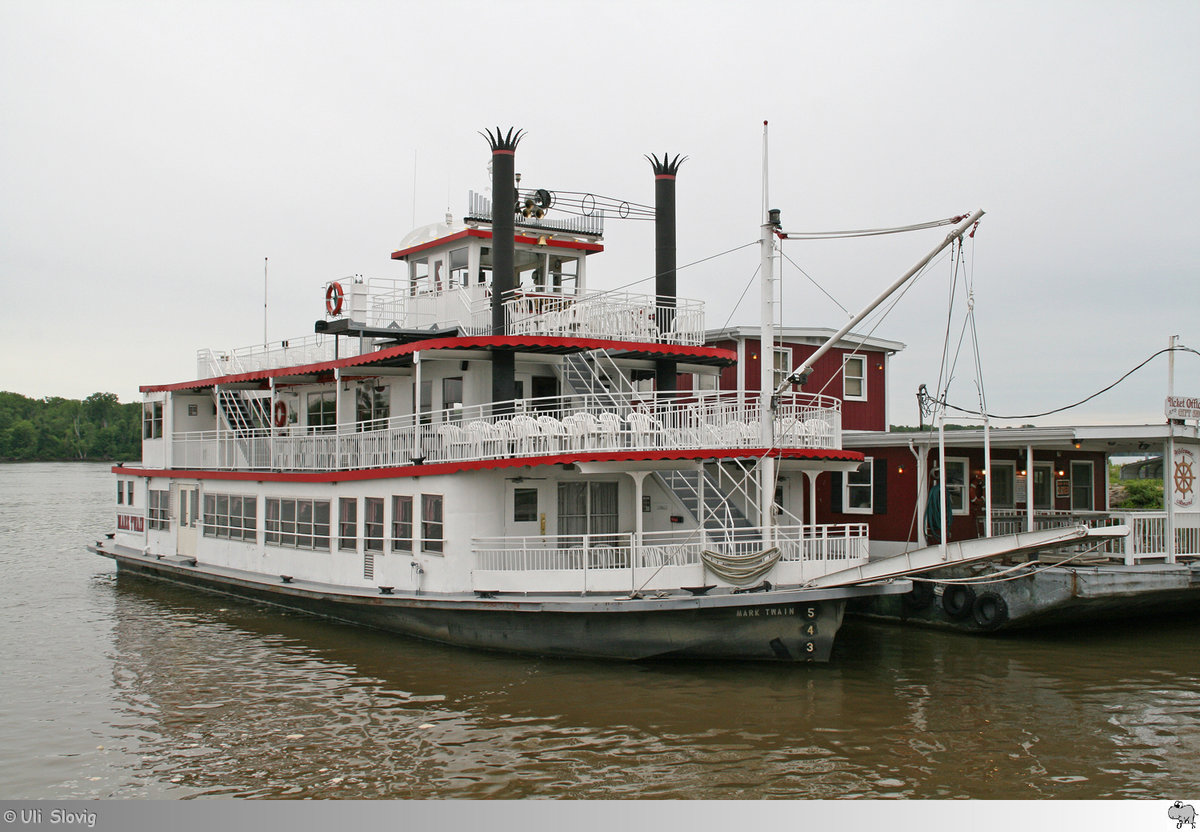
column 665, row 170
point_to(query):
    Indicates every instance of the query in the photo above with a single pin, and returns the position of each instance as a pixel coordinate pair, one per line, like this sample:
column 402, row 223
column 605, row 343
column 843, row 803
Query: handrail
column 536, row 427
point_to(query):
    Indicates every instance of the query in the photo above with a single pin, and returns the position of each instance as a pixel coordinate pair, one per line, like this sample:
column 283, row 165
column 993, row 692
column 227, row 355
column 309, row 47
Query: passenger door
column 189, row 521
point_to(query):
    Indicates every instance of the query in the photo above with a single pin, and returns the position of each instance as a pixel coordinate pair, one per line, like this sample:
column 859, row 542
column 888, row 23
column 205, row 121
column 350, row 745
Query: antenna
column 265, row 301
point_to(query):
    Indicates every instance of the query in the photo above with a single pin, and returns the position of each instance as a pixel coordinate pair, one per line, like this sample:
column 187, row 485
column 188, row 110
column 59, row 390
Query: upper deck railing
column 386, row 304
column 527, row 428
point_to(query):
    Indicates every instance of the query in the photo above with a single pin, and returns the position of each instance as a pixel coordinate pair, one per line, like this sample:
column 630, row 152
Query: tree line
column 53, row 428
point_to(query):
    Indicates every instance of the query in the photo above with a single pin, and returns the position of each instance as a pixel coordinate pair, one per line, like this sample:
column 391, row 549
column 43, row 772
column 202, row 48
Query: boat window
column 459, row 276
column 564, row 274
column 426, row 401
column 372, row 407
column 859, row 488
column 158, row 510
column 587, row 508
column 402, row 524
column 854, row 378
column 322, row 411
column 348, row 523
column 431, row 523
column 373, row 524
column 120, row 492
column 152, row 420
column 418, row 274
column 298, row 524
column 525, row 505
column 233, row 516
column 452, row 395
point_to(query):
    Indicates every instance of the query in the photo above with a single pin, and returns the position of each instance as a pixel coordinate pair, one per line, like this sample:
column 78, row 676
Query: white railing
column 614, row 315
column 1147, row 538
column 611, row 562
column 534, row 427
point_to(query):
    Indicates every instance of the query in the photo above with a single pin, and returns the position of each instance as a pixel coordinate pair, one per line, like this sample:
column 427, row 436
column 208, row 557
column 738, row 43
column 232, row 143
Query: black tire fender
column 919, row 597
column 957, row 601
column 990, row 611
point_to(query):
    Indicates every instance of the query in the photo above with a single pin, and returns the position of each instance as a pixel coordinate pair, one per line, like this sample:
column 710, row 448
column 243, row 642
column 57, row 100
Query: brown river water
column 118, row 687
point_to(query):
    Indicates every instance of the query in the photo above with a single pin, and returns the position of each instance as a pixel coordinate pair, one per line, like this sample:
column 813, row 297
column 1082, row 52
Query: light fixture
column 1077, row 444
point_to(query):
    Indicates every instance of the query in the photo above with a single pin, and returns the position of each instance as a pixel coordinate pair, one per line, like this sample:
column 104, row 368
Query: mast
column 766, row 358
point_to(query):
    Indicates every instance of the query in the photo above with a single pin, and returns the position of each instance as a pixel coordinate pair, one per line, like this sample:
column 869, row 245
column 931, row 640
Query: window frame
column 158, row 509
column 230, row 516
column 431, row 544
column 152, row 420
column 373, row 542
column 402, row 518
column 962, row 489
column 868, row 464
column 862, row 379
column 297, row 532
column 347, row 536
column 1090, row 483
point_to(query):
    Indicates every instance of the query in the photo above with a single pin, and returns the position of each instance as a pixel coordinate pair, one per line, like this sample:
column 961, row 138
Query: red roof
column 485, row 234
column 402, row 354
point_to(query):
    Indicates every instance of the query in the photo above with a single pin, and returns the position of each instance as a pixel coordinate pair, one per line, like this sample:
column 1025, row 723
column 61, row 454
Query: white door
column 189, row 521
column 524, row 510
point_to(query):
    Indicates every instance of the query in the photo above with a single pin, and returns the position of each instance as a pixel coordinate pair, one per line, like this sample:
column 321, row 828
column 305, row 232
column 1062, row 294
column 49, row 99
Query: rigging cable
column 1069, row 406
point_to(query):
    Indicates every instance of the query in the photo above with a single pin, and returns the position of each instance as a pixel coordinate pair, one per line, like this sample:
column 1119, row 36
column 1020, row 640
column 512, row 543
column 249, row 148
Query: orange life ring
column 280, row 414
column 333, row 298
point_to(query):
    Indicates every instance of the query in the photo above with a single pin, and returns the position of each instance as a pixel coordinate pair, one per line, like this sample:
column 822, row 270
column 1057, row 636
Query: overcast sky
column 153, row 154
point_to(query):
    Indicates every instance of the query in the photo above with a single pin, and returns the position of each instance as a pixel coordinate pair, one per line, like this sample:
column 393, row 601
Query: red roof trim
column 480, row 342
column 485, row 234
column 489, row 464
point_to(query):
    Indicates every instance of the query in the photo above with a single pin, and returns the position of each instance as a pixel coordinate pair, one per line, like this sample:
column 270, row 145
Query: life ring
column 280, row 414
column 919, row 597
column 990, row 611
column 957, row 601
column 333, row 298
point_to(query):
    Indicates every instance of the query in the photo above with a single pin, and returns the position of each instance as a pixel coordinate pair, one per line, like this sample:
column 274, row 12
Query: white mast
column 766, row 359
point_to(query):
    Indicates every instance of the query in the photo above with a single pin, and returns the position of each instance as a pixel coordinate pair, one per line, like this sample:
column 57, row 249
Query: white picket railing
column 534, row 427
column 1147, row 538
column 616, row 562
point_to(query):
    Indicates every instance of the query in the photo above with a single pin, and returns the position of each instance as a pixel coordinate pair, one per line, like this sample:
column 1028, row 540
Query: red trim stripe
column 484, row 234
column 514, row 342
column 489, row 464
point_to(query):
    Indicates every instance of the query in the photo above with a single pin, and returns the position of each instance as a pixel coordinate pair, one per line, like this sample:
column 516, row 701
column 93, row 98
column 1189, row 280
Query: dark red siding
column 825, row 379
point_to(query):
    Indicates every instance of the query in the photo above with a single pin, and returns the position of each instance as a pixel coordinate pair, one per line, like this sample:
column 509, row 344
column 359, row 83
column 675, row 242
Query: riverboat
column 488, row 452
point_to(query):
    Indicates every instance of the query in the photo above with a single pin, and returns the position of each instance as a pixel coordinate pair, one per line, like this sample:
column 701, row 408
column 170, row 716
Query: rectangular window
column 426, row 402
column 459, row 275
column 1043, row 486
column 860, row 489
column 402, row 524
column 348, row 524
column 1081, row 486
column 854, row 378
column 956, row 485
column 297, row 524
column 322, row 411
column 120, row 492
column 432, row 539
column 373, row 524
column 158, row 510
column 129, row 492
column 783, row 365
column 372, row 407
column 152, row 420
column 452, row 396
column 587, row 508
column 232, row 516
column 1004, row 485
column 525, row 505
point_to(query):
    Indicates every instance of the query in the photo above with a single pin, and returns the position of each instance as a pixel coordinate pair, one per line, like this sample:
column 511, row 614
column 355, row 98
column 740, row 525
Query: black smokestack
column 504, row 201
column 665, row 170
